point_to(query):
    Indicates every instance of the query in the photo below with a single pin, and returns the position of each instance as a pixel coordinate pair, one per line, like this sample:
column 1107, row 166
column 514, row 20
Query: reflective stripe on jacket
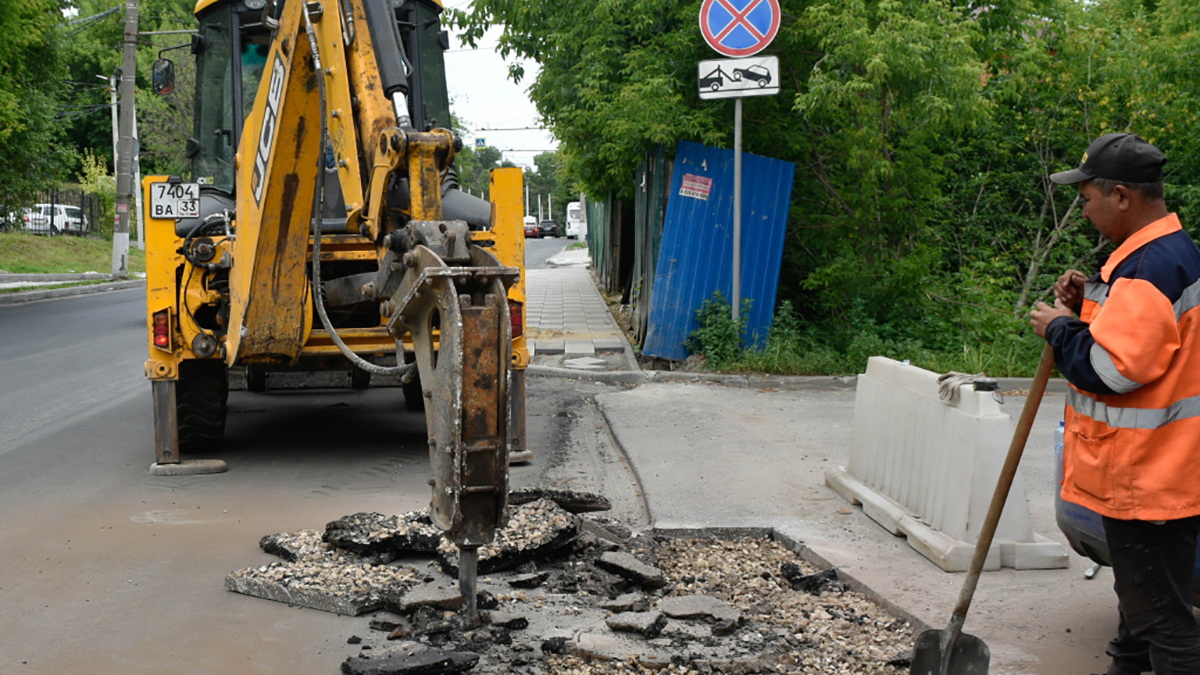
column 1132, row 437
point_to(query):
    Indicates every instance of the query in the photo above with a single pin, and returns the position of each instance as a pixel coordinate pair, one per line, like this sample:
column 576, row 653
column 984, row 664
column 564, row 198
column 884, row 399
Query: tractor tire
column 359, row 379
column 201, row 398
column 256, row 379
column 414, row 398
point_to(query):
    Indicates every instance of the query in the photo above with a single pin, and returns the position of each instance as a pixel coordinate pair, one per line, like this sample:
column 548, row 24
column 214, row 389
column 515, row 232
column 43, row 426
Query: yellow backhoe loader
column 323, row 230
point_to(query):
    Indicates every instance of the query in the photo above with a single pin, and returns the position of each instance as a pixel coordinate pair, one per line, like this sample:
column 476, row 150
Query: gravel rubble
column 535, row 529
column 756, row 606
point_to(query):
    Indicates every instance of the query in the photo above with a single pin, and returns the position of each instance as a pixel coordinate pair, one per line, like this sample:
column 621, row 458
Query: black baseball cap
column 1121, row 157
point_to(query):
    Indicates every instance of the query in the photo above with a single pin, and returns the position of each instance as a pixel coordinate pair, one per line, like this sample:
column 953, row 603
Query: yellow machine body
column 232, row 291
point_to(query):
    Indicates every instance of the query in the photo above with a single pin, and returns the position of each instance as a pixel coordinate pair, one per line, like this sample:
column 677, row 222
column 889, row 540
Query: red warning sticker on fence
column 695, row 186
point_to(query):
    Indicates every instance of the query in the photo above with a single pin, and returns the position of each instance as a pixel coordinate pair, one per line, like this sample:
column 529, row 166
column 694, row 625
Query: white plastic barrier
column 927, row 470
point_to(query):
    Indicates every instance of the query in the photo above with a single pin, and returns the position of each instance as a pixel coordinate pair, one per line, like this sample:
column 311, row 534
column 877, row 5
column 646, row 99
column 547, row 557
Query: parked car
column 31, row 221
column 547, row 228
column 63, row 218
column 531, row 228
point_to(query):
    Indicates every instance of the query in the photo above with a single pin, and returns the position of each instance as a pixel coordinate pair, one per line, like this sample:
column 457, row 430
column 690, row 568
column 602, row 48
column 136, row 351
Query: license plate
column 174, row 200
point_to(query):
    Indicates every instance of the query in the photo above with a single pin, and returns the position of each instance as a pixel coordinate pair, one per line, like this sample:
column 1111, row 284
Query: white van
column 576, row 221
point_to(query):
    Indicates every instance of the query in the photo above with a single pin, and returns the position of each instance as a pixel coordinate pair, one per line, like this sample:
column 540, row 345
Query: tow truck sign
column 735, row 78
column 170, row 201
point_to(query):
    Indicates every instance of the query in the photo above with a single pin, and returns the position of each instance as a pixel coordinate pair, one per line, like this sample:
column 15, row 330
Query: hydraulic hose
column 406, row 371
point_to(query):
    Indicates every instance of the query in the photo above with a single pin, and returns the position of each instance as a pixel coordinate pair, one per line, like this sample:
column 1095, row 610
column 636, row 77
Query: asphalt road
column 107, row 569
column 538, row 251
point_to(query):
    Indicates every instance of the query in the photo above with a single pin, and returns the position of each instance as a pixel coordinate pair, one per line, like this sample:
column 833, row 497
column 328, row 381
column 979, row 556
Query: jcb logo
column 270, row 121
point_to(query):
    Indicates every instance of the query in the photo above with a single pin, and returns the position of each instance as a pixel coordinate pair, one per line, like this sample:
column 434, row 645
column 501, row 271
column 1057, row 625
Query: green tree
column 31, row 77
column 616, row 77
column 94, row 52
column 474, row 166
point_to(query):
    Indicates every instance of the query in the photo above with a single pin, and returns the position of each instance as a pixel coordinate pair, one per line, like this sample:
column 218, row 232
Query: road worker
column 1132, row 432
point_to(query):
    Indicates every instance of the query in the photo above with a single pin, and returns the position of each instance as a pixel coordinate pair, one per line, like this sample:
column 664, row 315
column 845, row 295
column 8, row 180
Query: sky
column 485, row 100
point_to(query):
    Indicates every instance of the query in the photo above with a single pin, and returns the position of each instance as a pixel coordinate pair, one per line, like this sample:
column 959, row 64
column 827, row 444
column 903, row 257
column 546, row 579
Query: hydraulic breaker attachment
column 465, row 383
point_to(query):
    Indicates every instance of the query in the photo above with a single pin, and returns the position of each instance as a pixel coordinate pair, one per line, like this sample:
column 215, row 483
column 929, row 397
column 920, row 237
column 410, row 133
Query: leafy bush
column 98, row 183
column 718, row 337
column 796, row 347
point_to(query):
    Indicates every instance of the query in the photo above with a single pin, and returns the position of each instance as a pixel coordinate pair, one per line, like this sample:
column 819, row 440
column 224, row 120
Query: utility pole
column 125, row 187
column 550, row 207
column 112, row 102
column 137, row 182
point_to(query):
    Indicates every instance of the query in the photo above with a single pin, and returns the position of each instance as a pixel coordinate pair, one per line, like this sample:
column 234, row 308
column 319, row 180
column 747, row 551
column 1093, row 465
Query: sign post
column 739, row 29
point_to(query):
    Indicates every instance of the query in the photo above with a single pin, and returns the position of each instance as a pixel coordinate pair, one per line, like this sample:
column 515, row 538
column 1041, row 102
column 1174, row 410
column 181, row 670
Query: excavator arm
column 333, row 95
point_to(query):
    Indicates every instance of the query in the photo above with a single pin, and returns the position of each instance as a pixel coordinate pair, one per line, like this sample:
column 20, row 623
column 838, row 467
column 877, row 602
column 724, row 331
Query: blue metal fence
column 696, row 255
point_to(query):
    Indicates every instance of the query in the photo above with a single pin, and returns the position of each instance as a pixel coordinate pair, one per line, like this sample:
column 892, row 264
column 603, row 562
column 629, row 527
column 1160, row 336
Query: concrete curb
column 780, row 382
column 11, row 278
column 7, row 299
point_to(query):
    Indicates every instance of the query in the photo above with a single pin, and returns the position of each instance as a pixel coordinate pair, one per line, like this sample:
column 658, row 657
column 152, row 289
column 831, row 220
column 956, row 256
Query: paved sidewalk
column 568, row 323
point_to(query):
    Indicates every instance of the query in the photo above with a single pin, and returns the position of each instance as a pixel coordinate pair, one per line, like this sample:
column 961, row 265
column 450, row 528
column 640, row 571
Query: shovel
column 951, row 651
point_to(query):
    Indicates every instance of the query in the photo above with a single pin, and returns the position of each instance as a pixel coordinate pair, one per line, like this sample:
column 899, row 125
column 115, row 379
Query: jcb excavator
column 324, row 230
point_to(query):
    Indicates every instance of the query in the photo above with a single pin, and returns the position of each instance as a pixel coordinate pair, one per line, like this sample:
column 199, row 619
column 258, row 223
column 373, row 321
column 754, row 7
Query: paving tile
column 586, row 363
column 550, row 346
column 579, row 347
column 608, row 345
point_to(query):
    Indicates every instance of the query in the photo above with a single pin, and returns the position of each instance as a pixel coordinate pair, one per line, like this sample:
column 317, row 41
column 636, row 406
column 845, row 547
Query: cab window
column 213, row 162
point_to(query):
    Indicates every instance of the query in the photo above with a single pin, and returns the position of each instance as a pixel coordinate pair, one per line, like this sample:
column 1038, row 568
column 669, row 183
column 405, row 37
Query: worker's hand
column 1043, row 314
column 1069, row 290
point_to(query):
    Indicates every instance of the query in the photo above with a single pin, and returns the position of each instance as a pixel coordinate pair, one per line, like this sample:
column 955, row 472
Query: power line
column 94, row 17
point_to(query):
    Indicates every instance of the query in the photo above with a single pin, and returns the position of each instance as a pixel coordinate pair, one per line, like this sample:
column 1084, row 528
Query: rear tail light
column 518, row 322
column 162, row 329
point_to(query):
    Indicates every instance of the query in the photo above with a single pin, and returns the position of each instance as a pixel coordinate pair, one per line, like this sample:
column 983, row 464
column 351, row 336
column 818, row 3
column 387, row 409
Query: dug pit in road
column 580, row 593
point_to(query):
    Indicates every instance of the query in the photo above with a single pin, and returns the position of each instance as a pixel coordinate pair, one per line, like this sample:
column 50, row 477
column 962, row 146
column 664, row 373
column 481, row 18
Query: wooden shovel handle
column 1007, row 474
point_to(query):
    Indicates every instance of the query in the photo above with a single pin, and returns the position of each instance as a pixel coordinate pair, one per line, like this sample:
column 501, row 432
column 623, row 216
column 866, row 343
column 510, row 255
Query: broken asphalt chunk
column 430, row 662
column 629, row 567
column 813, row 583
column 425, row 595
column 646, row 624
column 506, row 620
column 306, row 545
column 599, row 647
column 386, row 622
column 698, row 607
column 529, row 580
column 629, row 602
column 342, row 589
column 570, row 500
column 372, row 533
column 534, row 531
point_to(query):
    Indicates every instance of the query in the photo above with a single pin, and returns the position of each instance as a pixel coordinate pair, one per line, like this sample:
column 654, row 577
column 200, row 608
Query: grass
column 22, row 253
column 577, row 245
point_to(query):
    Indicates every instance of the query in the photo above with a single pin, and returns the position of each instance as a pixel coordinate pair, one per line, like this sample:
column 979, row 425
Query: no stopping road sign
column 739, row 27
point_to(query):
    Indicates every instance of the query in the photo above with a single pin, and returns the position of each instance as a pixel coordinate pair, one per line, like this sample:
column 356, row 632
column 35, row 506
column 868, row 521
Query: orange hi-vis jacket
column 1132, row 436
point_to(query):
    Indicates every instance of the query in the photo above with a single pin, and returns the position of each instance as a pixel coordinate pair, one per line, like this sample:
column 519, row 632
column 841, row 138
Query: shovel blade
column 969, row 655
